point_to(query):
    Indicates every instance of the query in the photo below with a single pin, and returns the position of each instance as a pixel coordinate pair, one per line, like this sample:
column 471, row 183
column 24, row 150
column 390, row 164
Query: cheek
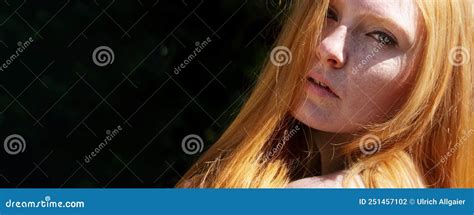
column 374, row 93
column 371, row 90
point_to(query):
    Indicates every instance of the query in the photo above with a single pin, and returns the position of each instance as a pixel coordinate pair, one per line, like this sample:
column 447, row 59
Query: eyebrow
column 390, row 24
column 387, row 22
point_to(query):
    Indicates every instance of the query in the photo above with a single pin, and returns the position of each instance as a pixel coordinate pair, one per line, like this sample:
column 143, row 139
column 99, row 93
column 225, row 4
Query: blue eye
column 331, row 14
column 383, row 38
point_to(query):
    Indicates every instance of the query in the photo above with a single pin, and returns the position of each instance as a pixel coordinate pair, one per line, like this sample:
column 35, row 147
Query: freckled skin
column 383, row 75
column 333, row 180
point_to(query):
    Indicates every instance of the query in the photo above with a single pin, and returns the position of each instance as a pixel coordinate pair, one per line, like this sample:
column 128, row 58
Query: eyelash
column 331, row 12
column 382, row 37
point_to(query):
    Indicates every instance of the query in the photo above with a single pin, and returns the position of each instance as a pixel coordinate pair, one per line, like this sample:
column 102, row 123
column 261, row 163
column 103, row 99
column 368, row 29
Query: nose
column 331, row 50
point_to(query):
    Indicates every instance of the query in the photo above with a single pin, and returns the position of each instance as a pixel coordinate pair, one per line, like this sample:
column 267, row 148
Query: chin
column 322, row 120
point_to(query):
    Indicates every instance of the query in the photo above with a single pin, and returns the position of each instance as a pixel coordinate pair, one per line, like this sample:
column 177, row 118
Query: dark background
column 63, row 104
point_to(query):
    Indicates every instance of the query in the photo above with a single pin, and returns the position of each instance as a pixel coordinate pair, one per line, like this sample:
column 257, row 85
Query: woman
column 371, row 94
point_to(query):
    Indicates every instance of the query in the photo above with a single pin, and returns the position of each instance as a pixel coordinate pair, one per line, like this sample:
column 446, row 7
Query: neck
column 328, row 145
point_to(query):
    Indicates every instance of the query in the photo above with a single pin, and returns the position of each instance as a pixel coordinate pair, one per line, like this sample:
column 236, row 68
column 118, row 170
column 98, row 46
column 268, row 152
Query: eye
column 383, row 38
column 331, row 14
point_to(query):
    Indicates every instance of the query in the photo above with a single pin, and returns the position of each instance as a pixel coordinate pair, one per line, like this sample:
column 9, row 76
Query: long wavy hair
column 427, row 143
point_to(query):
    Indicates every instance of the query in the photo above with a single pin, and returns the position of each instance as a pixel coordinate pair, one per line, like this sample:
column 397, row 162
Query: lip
column 321, row 91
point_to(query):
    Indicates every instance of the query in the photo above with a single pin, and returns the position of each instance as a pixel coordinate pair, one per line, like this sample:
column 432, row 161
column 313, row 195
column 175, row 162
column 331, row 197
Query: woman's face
column 363, row 62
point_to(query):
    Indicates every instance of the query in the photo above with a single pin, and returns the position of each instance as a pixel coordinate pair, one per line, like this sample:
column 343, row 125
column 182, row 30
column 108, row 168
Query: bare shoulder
column 333, row 180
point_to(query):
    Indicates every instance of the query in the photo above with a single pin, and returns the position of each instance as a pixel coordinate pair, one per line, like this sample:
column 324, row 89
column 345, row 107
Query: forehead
column 403, row 13
column 382, row 6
